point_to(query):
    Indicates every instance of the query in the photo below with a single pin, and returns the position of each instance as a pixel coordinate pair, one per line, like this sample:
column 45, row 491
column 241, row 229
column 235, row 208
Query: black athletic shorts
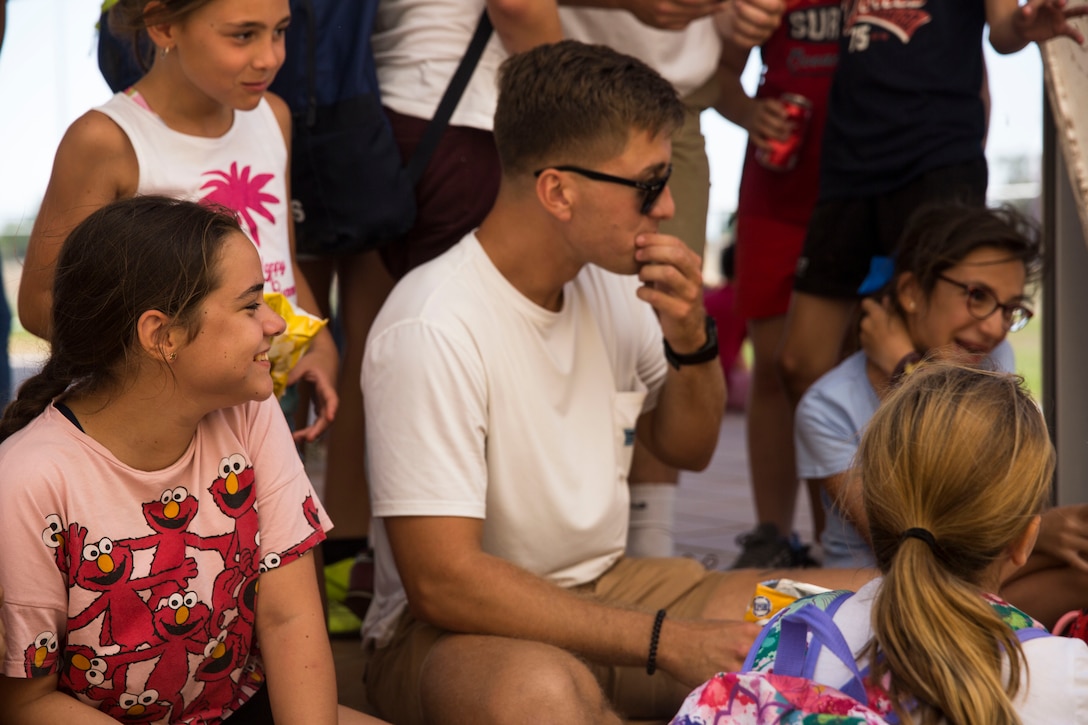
column 844, row 235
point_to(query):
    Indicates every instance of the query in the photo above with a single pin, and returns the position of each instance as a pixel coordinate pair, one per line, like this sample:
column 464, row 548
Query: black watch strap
column 706, row 353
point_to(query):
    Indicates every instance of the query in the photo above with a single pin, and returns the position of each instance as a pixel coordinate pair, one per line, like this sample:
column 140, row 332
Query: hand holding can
column 782, row 154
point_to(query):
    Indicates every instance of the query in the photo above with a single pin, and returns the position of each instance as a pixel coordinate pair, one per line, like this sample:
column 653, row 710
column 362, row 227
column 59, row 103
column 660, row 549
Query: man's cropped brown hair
column 569, row 102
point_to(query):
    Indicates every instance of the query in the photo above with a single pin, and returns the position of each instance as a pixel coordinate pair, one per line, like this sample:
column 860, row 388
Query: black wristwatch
column 706, row 353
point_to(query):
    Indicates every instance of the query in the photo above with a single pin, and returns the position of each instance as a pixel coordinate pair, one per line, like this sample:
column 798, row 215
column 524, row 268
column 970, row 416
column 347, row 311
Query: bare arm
column 321, row 363
column 764, row 118
column 453, row 584
column 1064, row 535
column 682, row 430
column 663, row 14
column 95, row 165
column 748, row 23
column 733, row 102
column 294, row 645
column 34, row 700
column 883, row 335
column 1013, row 26
column 984, row 94
column 525, row 24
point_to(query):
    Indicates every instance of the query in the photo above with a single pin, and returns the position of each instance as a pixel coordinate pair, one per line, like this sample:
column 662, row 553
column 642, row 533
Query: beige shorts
column 683, row 587
column 690, row 181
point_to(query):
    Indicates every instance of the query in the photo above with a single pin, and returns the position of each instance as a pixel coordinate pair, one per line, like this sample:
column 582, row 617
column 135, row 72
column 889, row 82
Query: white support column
column 1065, row 318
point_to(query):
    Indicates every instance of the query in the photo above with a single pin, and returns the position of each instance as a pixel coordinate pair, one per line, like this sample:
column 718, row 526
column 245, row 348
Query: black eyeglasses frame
column 651, row 190
column 1016, row 316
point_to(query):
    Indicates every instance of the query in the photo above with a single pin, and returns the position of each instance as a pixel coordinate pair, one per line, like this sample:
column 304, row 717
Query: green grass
column 1028, row 346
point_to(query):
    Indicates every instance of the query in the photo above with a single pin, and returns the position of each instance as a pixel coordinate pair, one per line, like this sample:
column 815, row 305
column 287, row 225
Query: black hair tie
column 918, row 533
column 931, row 541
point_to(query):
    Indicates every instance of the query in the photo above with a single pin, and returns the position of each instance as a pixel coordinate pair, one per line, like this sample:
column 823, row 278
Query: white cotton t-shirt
column 243, row 170
column 418, row 45
column 834, row 411
column 686, row 58
column 482, row 404
column 1054, row 689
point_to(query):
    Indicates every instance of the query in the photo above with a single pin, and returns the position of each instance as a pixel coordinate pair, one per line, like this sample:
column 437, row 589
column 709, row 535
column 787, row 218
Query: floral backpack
column 775, row 684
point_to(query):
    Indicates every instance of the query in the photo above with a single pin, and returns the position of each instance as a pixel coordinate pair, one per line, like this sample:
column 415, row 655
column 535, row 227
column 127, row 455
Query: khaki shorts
column 683, row 587
column 690, row 180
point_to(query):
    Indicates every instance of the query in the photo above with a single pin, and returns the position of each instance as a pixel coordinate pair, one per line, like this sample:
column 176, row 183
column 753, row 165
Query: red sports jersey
column 800, row 57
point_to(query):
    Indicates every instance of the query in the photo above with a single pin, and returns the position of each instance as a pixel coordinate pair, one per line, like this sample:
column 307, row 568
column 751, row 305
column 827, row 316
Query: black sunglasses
column 651, row 190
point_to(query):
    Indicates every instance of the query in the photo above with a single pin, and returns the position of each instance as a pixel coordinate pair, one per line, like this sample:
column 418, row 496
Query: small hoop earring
column 172, row 357
column 165, row 51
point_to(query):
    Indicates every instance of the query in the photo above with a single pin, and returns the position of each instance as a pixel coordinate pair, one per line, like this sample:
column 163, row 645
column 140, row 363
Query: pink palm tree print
column 242, row 195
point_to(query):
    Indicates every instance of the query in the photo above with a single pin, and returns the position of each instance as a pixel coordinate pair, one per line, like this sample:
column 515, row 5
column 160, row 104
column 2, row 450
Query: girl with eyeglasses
column 959, row 286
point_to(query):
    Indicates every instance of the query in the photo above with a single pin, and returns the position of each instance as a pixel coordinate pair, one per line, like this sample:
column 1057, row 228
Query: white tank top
column 242, row 170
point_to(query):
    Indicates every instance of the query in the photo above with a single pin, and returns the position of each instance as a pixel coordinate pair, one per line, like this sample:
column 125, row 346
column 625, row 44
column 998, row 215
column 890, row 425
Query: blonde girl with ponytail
column 957, row 465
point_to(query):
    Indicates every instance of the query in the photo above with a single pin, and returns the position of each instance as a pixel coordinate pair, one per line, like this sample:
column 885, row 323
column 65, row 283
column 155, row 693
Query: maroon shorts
column 767, row 252
column 456, row 192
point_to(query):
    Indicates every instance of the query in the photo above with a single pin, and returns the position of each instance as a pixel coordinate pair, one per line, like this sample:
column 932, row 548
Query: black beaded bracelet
column 651, row 661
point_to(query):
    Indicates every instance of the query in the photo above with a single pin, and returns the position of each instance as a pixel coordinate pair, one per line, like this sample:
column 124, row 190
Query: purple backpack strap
column 750, row 659
column 805, row 651
column 1029, row 633
column 753, row 651
column 795, row 658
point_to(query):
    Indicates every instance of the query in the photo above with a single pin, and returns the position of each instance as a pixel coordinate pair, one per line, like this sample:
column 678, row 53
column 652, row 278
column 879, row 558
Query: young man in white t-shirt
column 506, row 382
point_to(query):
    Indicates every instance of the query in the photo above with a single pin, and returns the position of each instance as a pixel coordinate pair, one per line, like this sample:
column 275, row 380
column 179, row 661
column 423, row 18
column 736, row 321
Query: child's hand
column 1040, row 20
column 767, row 120
column 670, row 14
column 1064, row 535
column 320, row 367
column 748, row 23
column 883, row 334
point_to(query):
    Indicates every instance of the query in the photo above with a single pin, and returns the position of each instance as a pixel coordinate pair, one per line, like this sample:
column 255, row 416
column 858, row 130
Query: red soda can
column 782, row 155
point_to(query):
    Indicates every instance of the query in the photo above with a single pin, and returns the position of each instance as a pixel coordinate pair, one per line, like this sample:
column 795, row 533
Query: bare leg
column 478, row 680
column 812, row 343
column 690, row 187
column 319, row 274
column 364, row 285
column 650, row 529
column 770, row 430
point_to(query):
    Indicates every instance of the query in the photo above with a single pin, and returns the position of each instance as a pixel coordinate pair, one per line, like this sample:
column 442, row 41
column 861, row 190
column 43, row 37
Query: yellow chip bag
column 771, row 596
column 293, row 343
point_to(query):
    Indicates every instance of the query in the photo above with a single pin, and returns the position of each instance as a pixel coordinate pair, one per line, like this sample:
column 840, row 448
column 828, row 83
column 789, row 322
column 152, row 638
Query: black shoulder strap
column 422, row 155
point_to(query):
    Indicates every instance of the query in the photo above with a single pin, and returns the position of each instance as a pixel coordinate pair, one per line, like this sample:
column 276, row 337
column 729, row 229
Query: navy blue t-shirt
column 905, row 99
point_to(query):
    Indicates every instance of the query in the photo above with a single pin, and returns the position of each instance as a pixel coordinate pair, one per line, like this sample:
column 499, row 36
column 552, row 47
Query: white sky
column 49, row 76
